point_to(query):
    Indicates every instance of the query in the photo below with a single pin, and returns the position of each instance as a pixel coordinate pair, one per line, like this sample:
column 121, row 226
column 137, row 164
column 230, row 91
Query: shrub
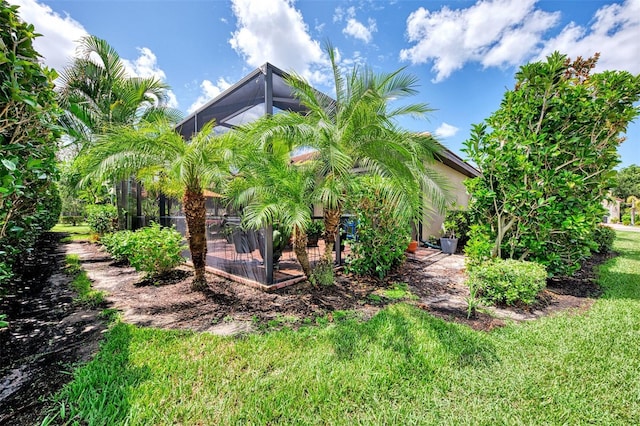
column 120, row 245
column 157, row 249
column 382, row 237
column 71, row 220
column 626, row 219
column 478, row 248
column 603, row 236
column 508, row 281
column 28, row 134
column 154, row 250
column 103, row 218
column 322, row 274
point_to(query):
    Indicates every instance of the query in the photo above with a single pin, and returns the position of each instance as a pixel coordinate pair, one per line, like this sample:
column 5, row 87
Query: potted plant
column 449, row 241
column 314, row 232
column 413, row 246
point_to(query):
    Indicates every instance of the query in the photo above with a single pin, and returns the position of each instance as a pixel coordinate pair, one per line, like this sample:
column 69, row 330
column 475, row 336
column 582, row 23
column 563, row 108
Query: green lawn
column 401, row 367
column 77, row 233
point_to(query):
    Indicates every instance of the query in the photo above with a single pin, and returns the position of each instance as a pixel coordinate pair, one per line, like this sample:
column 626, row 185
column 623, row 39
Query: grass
column 77, row 233
column 401, row 367
column 81, row 282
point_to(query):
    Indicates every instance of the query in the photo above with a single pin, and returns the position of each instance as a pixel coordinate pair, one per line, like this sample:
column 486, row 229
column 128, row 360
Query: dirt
column 49, row 333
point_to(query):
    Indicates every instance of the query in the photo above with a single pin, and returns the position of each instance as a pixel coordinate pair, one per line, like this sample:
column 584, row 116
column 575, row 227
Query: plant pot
column 312, row 240
column 413, row 246
column 448, row 245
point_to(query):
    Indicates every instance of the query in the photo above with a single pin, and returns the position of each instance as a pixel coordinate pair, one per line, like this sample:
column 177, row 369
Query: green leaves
column 546, row 158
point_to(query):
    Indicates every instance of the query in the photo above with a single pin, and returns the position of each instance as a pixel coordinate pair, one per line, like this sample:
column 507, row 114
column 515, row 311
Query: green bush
column 102, row 218
column 477, row 251
column 603, row 236
column 28, row 136
column 626, row 219
column 154, row 250
column 120, row 245
column 382, row 237
column 508, row 281
column 157, row 249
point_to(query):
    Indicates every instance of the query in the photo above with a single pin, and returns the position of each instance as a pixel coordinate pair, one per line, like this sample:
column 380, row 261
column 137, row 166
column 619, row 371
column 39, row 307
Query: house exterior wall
column 613, row 210
column 432, row 222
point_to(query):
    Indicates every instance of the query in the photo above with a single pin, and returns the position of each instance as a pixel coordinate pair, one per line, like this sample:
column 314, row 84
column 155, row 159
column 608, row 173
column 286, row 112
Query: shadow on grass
column 100, row 390
column 419, row 340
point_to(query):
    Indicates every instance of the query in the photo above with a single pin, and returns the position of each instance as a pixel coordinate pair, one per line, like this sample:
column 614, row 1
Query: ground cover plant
column 402, row 366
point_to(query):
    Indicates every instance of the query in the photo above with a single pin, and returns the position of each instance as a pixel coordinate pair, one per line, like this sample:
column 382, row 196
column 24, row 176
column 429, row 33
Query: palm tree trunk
column 331, row 226
column 195, row 212
column 300, row 248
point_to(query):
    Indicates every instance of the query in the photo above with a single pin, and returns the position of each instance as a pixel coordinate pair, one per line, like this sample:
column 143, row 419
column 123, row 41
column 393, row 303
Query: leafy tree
column 546, row 158
column 29, row 200
column 358, row 132
column 627, row 182
column 155, row 154
column 634, row 203
column 96, row 92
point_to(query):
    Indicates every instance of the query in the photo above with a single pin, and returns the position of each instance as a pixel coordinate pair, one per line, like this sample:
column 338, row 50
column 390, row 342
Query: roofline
column 227, row 92
column 452, row 160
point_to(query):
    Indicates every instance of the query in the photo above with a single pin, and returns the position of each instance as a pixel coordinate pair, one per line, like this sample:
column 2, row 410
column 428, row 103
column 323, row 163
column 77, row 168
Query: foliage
column 102, row 219
column 157, row 249
column 316, row 227
column 96, row 93
column 603, row 237
column 322, row 274
column 508, row 281
column 3, row 323
column 382, row 234
column 478, row 249
column 120, row 245
column 626, row 219
column 28, row 135
column 627, row 182
column 152, row 249
column 456, row 223
column 546, row 158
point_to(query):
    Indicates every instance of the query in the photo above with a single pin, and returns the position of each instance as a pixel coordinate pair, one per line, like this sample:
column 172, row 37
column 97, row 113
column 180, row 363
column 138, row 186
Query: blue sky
column 465, row 53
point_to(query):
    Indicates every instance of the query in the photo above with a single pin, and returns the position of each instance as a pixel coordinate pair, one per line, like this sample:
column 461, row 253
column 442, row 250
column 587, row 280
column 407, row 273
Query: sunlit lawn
column 77, row 233
column 401, row 367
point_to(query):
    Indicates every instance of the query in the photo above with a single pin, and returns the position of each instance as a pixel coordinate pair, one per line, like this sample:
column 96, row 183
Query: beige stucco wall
column 432, row 223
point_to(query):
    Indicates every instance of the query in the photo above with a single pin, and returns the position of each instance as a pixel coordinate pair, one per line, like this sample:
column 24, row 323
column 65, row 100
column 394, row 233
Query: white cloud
column 614, row 32
column 491, row 32
column 446, row 130
column 498, row 33
column 60, row 37
column 60, row 34
column 209, row 91
column 357, row 30
column 274, row 31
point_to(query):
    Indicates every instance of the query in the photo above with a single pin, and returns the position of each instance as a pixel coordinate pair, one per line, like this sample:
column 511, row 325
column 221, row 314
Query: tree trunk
column 300, row 248
column 331, row 226
column 195, row 212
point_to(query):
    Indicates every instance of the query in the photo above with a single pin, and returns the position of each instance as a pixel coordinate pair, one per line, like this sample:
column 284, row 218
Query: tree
column 627, row 182
column 96, row 92
column 357, row 132
column 547, row 156
column 271, row 189
column 158, row 156
column 29, row 201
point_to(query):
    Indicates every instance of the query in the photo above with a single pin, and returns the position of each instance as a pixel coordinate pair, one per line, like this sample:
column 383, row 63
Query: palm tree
column 270, row 189
column 357, row 132
column 158, row 156
column 96, row 92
